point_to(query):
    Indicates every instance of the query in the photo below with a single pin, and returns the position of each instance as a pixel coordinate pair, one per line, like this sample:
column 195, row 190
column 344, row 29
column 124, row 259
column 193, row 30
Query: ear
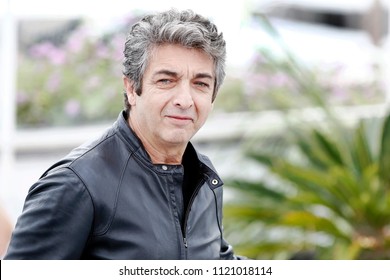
column 130, row 91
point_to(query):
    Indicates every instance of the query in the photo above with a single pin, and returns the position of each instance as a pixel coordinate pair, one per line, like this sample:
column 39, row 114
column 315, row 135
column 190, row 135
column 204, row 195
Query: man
column 140, row 191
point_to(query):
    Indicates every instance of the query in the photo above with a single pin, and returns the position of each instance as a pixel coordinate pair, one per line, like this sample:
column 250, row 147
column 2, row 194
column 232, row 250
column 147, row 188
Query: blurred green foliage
column 77, row 79
column 326, row 191
column 71, row 81
column 277, row 79
column 325, row 188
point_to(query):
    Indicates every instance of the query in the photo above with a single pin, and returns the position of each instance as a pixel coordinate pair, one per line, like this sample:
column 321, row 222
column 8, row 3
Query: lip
column 180, row 118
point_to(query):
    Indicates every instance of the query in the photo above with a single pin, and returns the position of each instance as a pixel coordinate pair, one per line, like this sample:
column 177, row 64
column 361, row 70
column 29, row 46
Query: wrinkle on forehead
column 166, row 65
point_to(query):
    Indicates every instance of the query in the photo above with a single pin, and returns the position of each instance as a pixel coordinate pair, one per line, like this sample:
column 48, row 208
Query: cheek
column 204, row 108
column 154, row 107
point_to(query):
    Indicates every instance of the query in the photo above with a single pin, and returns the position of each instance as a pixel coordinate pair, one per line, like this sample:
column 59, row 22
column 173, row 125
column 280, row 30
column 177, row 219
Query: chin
column 178, row 142
column 178, row 139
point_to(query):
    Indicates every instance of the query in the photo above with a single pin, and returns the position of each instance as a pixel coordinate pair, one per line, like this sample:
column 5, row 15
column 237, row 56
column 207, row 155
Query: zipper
column 188, row 212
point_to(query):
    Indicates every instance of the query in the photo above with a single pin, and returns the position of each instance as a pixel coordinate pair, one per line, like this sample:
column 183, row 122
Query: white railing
column 219, row 127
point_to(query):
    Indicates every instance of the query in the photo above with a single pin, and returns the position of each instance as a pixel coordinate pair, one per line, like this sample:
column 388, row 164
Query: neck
column 158, row 155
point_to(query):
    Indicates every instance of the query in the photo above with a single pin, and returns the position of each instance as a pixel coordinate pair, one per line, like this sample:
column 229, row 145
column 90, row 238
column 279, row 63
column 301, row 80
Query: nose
column 183, row 98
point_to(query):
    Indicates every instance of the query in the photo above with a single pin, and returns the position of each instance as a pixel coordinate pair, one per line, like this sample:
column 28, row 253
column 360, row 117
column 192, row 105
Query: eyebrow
column 204, row 75
column 166, row 72
column 175, row 74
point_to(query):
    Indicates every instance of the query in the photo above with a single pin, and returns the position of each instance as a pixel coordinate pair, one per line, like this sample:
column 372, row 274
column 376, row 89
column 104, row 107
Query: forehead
column 179, row 59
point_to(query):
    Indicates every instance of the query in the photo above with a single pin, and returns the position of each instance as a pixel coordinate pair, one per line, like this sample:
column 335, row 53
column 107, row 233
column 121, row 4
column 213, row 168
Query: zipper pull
column 185, row 242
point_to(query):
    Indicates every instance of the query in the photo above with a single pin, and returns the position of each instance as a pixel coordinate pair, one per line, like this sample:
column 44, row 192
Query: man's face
column 176, row 97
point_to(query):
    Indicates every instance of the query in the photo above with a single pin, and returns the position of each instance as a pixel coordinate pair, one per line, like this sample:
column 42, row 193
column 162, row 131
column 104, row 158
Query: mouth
column 180, row 118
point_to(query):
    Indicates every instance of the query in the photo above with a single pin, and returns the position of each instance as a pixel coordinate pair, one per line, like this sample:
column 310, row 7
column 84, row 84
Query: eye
column 202, row 84
column 164, row 81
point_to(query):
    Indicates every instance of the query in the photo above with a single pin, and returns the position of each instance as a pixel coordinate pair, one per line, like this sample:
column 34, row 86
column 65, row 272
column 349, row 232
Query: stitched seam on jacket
column 104, row 231
column 85, row 188
column 106, row 227
column 112, row 215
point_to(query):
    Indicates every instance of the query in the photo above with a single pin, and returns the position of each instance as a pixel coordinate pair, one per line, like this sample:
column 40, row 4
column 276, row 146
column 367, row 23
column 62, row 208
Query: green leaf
column 384, row 155
column 250, row 213
column 360, row 149
column 311, row 222
column 328, row 148
column 258, row 189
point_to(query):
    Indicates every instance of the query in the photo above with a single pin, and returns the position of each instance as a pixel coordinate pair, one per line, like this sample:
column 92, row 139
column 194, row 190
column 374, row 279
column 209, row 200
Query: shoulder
column 61, row 190
column 205, row 161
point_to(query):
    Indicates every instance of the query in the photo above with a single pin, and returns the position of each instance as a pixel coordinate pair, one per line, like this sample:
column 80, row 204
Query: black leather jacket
column 106, row 200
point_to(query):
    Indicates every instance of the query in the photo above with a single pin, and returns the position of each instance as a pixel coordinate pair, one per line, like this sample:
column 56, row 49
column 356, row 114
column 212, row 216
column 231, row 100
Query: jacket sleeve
column 56, row 220
column 227, row 252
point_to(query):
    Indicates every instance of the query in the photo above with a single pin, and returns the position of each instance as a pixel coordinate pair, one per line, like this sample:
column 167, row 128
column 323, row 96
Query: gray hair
column 173, row 27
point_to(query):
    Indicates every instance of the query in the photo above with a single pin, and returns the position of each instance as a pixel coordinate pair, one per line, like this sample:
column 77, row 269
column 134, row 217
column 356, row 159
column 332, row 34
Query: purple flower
column 49, row 51
column 259, row 59
column 93, row 82
column 21, row 98
column 118, row 43
column 72, row 108
column 57, row 56
column 76, row 40
column 280, row 80
column 53, row 82
column 102, row 51
column 41, row 50
column 257, row 83
column 339, row 93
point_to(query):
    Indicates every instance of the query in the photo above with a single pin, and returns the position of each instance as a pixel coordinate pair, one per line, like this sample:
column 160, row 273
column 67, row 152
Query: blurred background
column 299, row 132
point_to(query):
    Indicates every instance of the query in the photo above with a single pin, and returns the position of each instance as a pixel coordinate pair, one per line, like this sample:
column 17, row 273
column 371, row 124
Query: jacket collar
column 135, row 144
column 129, row 136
